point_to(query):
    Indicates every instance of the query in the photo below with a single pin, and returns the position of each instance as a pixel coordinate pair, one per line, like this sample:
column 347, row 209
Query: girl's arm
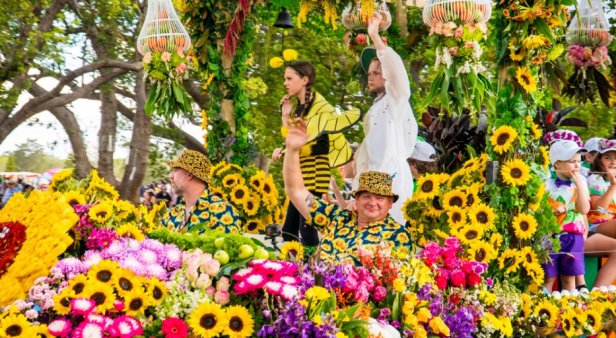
column 583, row 198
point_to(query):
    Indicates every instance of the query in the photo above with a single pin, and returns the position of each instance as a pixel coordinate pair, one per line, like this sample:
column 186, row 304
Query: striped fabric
column 316, row 174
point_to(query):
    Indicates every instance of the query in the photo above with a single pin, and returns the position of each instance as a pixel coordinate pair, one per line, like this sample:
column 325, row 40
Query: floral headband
column 567, row 135
column 288, row 55
column 607, row 145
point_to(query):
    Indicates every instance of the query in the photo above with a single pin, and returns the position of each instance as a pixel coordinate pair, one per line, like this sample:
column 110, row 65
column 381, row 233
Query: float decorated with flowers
column 79, row 262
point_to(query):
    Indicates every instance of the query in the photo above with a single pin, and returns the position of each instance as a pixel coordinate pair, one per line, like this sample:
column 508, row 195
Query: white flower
column 447, row 61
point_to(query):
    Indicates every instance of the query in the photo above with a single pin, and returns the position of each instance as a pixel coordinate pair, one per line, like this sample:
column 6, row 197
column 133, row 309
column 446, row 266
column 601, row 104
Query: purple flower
column 461, row 323
column 71, row 265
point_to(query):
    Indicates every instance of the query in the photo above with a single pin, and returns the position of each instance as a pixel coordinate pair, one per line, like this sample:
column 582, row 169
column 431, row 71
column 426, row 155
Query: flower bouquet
column 355, row 16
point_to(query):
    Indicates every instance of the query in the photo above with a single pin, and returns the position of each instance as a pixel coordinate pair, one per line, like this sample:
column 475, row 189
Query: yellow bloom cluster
column 48, row 218
column 330, row 14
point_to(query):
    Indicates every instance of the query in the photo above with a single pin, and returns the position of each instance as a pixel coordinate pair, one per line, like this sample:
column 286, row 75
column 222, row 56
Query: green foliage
column 31, row 156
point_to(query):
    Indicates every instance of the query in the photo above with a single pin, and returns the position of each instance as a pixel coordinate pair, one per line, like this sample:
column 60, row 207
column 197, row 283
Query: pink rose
column 458, row 279
column 211, row 267
column 223, row 284
column 221, row 297
column 379, row 293
column 452, row 262
column 458, row 32
column 362, row 295
column 181, row 68
column 431, row 253
column 210, row 291
column 350, row 284
column 165, row 56
column 453, row 243
column 453, row 51
column 147, row 58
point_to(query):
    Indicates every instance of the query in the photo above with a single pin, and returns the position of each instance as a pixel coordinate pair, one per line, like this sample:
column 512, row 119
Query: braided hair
column 304, row 68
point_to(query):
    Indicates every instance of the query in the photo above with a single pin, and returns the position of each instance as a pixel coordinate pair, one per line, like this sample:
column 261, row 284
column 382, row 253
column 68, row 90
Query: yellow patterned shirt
column 342, row 235
column 210, row 212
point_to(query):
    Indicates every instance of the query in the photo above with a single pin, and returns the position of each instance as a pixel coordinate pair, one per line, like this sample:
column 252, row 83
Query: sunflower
column 16, row 325
column 536, row 131
column 567, row 321
column 472, row 194
column 130, row 230
column 292, row 251
column 526, row 79
column 593, row 318
column 62, row 301
column 101, row 212
column 529, row 257
column 62, row 175
column 78, row 283
column 469, row 234
column 217, row 192
column 455, row 216
column 502, row 139
column 269, row 189
column 496, row 240
column 239, row 322
column 239, row 194
column 545, row 156
column 454, row 198
column 256, row 181
column 253, row 226
column 136, row 301
column 157, row 289
column 232, row 180
column 516, row 54
column 74, row 197
column 509, row 260
column 482, row 215
column 102, row 294
column 436, row 210
column 524, row 225
column 100, row 189
column 547, row 311
column 214, row 170
column 481, row 251
column 535, row 271
column 535, row 41
column 41, row 331
column 515, row 172
column 207, row 320
column 104, row 271
column 251, row 205
column 427, row 186
column 124, row 281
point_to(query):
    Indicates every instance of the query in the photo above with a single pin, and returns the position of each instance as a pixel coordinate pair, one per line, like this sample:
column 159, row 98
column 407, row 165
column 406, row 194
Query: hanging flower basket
column 162, row 30
column 354, row 17
column 461, row 12
column 589, row 28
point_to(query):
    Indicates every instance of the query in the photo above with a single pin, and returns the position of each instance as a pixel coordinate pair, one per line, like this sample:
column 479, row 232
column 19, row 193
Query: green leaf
column 150, row 104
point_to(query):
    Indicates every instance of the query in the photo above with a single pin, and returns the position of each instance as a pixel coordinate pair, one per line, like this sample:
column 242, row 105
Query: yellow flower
column 454, row 198
column 526, row 79
column 455, row 216
column 16, row 325
column 482, row 215
column 207, row 320
column 341, row 335
column 469, row 234
column 481, row 251
column 135, row 302
column 555, row 52
column 517, row 54
column 524, row 225
column 439, row 327
column 104, row 271
column 567, row 320
column 232, row 180
column 515, row 172
column 399, row 285
column 292, row 251
column 253, row 226
column 547, row 312
column 130, row 230
column 78, row 283
column 487, row 297
column 124, row 281
column 74, row 197
column 289, row 54
column 276, row 62
column 427, row 186
column 157, row 289
column 251, row 205
column 102, row 294
column 240, row 323
column 62, row 175
column 62, row 301
column 239, row 194
column 424, row 315
column 536, row 131
column 545, row 156
column 216, row 169
column 593, row 318
column 509, row 260
column 503, row 138
column 317, row 293
column 496, row 240
column 535, row 41
column 101, row 212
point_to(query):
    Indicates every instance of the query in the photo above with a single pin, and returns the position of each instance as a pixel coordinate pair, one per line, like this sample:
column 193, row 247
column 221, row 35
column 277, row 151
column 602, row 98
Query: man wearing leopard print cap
column 344, row 231
column 199, row 210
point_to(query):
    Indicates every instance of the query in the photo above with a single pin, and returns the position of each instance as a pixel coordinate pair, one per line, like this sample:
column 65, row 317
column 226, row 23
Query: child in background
column 602, row 186
column 568, row 194
column 592, row 145
column 424, row 159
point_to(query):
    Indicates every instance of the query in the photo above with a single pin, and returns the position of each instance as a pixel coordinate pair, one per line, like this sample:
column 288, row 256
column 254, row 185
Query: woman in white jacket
column 389, row 126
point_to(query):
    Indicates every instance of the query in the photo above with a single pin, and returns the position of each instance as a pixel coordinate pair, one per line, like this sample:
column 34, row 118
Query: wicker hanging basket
column 162, row 30
column 461, row 12
column 353, row 18
column 589, row 27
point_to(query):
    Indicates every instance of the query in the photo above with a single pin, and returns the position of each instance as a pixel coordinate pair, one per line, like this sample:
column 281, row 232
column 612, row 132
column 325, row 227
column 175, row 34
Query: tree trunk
column 401, row 17
column 227, row 110
column 107, row 135
column 139, row 146
column 263, row 162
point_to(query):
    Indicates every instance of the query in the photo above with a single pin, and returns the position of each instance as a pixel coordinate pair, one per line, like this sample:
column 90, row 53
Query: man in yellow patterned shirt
column 199, row 210
column 344, row 231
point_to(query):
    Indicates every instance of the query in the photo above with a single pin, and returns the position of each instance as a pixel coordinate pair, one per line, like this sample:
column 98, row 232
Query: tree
column 10, row 164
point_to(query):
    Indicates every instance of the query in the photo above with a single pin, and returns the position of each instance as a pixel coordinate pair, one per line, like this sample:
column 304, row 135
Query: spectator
column 10, row 190
column 163, row 195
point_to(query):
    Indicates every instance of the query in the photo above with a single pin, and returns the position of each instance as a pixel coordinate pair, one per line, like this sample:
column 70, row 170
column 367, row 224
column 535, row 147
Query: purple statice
column 101, row 238
column 436, row 304
column 83, row 228
column 425, row 292
column 335, row 278
column 461, row 323
column 288, row 324
column 71, row 266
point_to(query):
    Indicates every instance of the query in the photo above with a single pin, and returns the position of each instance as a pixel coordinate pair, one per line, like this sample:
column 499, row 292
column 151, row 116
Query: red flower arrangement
column 12, row 237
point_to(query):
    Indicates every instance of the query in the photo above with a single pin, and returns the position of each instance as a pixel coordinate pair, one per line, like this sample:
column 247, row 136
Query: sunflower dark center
column 125, row 284
column 502, row 138
column 236, row 324
column 251, row 226
column 101, row 214
column 456, row 217
column 544, row 312
column 591, row 320
column 516, row 173
column 456, row 201
column 482, row 217
column 481, row 255
column 73, row 202
column 13, row 330
column 256, row 183
column 436, row 204
column 470, row 200
column 427, row 186
column 207, row 321
column 267, row 189
column 135, row 304
column 104, row 276
column 239, row 194
column 529, row 258
column 66, row 302
column 566, row 324
column 78, row 288
column 525, row 79
column 524, row 225
column 230, row 181
column 157, row 293
column 250, row 205
column 471, row 234
column 293, row 252
column 98, row 298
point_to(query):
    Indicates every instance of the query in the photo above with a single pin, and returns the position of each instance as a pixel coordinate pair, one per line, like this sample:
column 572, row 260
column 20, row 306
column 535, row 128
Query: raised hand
column 277, row 154
column 285, row 107
column 374, row 22
column 296, row 135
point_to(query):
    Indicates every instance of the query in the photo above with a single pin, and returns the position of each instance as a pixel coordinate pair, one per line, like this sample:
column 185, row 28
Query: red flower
column 174, row 328
column 441, row 278
column 473, row 279
column 457, row 278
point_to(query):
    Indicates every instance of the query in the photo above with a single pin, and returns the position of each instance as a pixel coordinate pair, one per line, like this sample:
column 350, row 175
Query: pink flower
column 221, row 297
column 126, row 327
column 288, row 292
column 452, row 262
column 273, row 287
column 90, row 330
column 211, row 267
column 222, row 284
column 361, row 39
column 255, row 280
column 174, row 328
column 453, row 51
column 165, row 56
column 147, row 58
column 379, row 293
column 180, row 68
column 241, row 288
column 289, row 280
column 210, row 291
column 458, row 32
column 350, row 284
column 82, row 306
column 60, row 327
column 361, row 295
column 203, row 282
column 31, row 314
column 431, row 253
column 118, row 305
column 458, row 279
